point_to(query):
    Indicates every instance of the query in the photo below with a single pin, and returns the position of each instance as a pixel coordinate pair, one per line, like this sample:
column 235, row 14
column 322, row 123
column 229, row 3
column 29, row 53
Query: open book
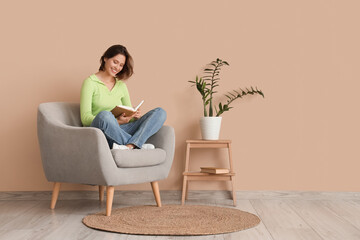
column 214, row 170
column 119, row 109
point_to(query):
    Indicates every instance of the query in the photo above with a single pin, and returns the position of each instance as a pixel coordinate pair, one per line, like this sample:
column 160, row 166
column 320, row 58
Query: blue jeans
column 136, row 132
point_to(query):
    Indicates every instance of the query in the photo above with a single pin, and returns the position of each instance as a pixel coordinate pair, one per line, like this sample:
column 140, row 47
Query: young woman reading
column 104, row 90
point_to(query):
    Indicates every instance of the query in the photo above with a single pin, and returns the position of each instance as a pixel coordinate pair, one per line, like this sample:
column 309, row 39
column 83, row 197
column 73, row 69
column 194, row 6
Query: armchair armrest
column 73, row 154
column 165, row 139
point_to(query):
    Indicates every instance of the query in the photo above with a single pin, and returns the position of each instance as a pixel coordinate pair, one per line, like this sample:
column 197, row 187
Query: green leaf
column 238, row 94
column 261, row 93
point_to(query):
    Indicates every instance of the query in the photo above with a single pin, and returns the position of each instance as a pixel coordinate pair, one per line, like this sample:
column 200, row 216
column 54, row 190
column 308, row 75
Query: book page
column 139, row 105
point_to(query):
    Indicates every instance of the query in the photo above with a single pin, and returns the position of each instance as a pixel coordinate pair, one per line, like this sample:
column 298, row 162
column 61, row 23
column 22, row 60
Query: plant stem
column 211, row 90
column 205, row 112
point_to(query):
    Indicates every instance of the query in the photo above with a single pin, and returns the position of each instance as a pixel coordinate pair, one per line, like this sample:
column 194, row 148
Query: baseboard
column 176, row 195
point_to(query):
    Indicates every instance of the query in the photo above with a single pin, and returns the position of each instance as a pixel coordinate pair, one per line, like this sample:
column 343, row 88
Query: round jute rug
column 173, row 220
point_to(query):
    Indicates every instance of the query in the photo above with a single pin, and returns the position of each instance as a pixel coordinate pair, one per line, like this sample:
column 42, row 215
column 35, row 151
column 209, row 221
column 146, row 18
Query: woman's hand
column 137, row 114
column 122, row 119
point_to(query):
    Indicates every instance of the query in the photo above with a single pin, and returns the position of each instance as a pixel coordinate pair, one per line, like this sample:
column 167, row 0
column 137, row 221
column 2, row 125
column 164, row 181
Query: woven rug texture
column 178, row 220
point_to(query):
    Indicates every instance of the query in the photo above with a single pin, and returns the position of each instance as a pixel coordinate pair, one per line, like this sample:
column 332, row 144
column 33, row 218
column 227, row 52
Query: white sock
column 148, row 146
column 121, row 147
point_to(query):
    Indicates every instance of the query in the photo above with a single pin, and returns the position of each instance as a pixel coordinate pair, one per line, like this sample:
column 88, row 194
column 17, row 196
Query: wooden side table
column 188, row 176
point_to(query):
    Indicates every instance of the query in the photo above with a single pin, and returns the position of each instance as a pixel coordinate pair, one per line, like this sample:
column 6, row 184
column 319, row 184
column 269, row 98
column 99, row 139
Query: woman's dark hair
column 114, row 50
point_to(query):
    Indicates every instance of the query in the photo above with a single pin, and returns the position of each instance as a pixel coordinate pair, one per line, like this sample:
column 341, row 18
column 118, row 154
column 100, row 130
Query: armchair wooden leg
column 109, row 199
column 101, row 193
column 55, row 194
column 155, row 188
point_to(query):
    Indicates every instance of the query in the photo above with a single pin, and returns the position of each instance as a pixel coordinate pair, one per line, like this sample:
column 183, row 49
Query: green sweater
column 96, row 97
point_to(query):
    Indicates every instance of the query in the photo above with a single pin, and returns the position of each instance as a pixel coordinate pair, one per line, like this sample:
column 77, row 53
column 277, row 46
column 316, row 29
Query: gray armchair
column 75, row 154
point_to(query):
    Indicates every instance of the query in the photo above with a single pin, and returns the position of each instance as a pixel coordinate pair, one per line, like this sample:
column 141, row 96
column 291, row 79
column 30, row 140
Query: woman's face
column 114, row 65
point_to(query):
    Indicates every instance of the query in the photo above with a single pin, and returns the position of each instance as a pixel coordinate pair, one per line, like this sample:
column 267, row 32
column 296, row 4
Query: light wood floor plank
column 325, row 222
column 11, row 210
column 284, row 215
column 16, row 234
column 40, row 221
column 282, row 221
column 346, row 209
column 257, row 233
column 68, row 222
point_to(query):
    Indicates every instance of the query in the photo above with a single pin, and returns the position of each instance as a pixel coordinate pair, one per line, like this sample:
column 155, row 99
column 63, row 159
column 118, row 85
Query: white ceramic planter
column 210, row 127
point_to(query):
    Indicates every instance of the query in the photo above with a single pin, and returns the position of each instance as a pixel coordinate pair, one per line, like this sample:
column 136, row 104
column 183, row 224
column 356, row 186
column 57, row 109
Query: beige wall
column 304, row 55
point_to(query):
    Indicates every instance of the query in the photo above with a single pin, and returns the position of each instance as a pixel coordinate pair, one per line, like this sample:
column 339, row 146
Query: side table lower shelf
column 199, row 176
column 208, row 176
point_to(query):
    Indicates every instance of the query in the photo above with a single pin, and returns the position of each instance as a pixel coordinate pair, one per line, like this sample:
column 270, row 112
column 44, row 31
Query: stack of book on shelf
column 214, row 170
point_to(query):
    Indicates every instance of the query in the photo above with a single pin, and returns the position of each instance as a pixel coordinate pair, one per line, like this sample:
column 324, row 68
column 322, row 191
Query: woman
column 102, row 91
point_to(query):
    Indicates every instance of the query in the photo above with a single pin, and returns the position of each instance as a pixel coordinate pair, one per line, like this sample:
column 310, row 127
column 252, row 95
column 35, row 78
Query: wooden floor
column 284, row 215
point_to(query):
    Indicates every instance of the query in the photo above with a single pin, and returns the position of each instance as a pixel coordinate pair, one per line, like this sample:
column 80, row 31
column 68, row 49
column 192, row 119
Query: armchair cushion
column 135, row 158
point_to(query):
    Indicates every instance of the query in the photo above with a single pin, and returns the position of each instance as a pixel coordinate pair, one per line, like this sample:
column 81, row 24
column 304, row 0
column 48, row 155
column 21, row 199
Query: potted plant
column 206, row 85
